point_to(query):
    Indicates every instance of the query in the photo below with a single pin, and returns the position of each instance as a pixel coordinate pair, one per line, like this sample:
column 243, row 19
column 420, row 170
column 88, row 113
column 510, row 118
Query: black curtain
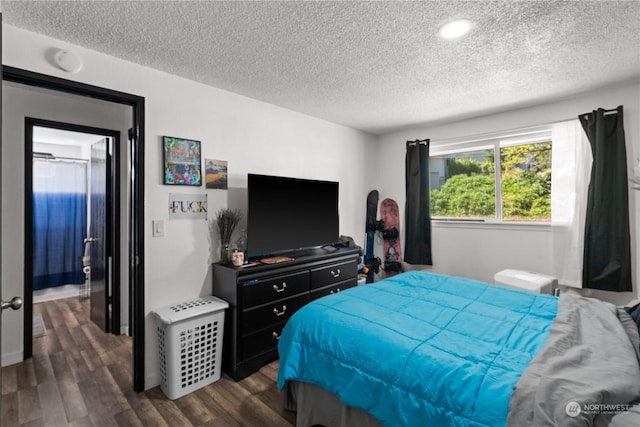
column 417, row 248
column 607, row 245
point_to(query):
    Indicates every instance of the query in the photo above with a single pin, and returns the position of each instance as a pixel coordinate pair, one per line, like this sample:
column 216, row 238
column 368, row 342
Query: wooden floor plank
column 51, row 405
column 9, row 413
column 28, row 405
column 219, row 412
column 128, row 418
column 25, row 375
column 72, row 399
column 54, row 313
column 77, row 363
column 98, row 343
column 103, row 420
column 69, row 318
column 82, row 422
column 194, row 409
column 149, row 415
column 80, row 377
column 169, row 411
column 79, row 337
column 9, row 380
column 261, row 387
column 42, row 368
column 47, row 344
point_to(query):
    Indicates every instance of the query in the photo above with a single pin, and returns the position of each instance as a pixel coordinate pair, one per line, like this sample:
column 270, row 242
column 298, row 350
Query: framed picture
column 182, row 161
column 215, row 173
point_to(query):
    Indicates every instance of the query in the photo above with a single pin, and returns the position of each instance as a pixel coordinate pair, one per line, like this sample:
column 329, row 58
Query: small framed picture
column 182, row 161
column 215, row 172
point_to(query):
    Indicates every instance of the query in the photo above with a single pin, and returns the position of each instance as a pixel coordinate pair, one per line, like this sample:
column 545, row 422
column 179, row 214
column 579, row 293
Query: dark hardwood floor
column 79, row 376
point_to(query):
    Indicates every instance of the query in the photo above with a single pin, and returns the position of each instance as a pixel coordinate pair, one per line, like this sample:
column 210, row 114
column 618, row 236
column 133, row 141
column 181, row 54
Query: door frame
column 112, row 226
column 136, row 234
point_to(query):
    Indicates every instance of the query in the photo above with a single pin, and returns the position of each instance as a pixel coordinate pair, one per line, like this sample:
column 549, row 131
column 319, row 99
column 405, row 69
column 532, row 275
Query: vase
column 224, row 253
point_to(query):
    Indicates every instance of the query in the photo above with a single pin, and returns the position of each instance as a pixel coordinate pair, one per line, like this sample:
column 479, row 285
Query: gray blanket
column 587, row 373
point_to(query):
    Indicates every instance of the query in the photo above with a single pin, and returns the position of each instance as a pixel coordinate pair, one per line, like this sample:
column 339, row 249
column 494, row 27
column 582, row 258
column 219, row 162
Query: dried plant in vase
column 226, row 222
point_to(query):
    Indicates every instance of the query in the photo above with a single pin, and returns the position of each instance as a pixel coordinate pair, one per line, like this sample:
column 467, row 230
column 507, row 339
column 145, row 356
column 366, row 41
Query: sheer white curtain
column 59, row 176
column 571, row 157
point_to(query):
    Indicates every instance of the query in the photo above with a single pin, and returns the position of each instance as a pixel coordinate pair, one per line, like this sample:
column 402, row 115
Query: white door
column 15, row 302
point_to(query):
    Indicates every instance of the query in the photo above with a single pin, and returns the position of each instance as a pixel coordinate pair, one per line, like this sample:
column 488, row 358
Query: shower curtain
column 59, row 222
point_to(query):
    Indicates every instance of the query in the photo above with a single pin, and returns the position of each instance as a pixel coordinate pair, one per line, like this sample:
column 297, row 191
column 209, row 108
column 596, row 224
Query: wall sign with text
column 187, row 206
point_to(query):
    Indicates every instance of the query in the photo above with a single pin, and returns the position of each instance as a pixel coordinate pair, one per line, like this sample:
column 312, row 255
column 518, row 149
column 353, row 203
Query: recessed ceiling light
column 455, row 29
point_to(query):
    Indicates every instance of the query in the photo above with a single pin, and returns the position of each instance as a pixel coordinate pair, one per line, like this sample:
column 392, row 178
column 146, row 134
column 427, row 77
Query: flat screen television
column 289, row 214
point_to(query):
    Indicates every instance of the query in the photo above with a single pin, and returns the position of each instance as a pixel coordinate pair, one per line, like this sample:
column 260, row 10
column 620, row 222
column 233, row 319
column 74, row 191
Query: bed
column 422, row 349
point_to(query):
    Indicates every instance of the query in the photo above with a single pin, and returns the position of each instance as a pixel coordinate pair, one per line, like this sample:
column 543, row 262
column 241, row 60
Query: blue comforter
column 419, row 349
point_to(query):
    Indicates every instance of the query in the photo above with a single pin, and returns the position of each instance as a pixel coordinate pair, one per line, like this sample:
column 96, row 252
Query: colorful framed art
column 182, row 161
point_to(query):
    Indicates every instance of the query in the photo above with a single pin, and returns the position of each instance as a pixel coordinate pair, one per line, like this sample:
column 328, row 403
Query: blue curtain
column 59, row 223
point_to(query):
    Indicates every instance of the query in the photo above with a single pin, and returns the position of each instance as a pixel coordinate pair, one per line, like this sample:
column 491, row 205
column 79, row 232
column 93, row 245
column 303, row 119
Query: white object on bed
column 526, row 281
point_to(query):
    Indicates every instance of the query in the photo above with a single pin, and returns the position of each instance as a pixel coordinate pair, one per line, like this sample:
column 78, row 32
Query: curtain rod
column 606, row 112
column 49, row 156
column 418, row 141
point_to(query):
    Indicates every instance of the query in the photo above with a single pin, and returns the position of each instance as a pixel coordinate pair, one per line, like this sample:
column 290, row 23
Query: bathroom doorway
column 73, row 194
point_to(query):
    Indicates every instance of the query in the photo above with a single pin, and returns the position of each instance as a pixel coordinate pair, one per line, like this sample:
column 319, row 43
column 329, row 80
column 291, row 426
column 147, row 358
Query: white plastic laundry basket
column 190, row 344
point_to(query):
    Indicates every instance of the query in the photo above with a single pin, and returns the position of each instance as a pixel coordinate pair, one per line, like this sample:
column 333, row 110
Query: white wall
column 479, row 251
column 254, row 137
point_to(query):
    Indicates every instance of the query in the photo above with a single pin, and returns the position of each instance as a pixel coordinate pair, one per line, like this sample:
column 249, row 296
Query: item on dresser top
column 237, row 258
column 276, row 259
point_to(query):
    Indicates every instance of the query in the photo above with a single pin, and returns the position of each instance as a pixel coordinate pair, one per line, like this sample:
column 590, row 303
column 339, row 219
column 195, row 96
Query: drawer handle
column 279, row 313
column 335, row 273
column 277, row 289
column 275, row 335
column 335, row 291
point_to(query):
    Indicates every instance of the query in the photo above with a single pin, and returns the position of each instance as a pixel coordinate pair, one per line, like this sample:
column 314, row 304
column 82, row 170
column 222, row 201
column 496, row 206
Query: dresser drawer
column 273, row 312
column 332, row 289
column 275, row 288
column 261, row 341
column 334, row 273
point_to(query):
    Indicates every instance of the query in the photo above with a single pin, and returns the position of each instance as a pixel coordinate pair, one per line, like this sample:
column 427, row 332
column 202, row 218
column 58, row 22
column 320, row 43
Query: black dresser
column 263, row 297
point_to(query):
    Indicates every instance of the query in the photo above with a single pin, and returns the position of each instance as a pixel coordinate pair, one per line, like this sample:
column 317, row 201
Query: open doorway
column 132, row 212
column 73, row 200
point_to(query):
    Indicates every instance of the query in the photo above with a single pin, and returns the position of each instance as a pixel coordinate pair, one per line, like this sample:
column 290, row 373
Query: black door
column 99, row 257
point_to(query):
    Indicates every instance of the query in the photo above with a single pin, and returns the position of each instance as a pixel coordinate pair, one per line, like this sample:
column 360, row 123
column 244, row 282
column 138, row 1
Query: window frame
column 494, row 141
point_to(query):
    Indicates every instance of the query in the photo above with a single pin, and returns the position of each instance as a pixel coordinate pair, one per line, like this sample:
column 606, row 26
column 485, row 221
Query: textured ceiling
column 375, row 66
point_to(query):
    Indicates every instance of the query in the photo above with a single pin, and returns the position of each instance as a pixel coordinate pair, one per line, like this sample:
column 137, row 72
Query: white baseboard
column 60, row 292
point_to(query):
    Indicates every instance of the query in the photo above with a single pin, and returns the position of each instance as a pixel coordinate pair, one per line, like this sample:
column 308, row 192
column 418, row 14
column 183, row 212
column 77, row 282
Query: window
column 465, row 185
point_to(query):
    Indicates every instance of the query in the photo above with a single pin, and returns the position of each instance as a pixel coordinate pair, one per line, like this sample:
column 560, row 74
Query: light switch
column 158, row 228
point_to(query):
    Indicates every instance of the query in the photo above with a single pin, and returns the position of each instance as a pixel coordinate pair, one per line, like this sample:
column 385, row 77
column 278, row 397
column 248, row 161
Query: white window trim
column 453, row 145
column 493, row 225
column 495, row 141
